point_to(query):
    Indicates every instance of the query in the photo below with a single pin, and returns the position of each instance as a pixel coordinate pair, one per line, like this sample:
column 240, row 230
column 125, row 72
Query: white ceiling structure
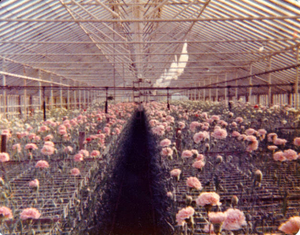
column 115, row 42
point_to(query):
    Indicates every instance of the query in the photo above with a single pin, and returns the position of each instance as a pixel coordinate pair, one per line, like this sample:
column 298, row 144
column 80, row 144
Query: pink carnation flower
column 5, row 212
column 17, row 148
column 34, row 183
column 68, row 149
column 217, row 217
column 279, row 156
column 47, row 150
column 183, row 214
column 166, row 152
column 200, row 157
column 153, row 122
column 239, row 120
column 242, row 137
column 253, row 143
column 186, row 154
column 75, row 171
column 84, row 152
column 30, row 213
column 272, row 137
column 107, row 130
column 165, row 143
column 193, row 182
column 4, row 157
column 250, row 131
column 272, row 147
column 78, row 157
column 95, row 153
column 43, row 129
column 181, row 125
column 49, row 143
column 297, row 141
column 290, row 154
column 200, row 136
column 292, row 226
column 48, row 138
column 208, row 198
column 234, row 124
column 42, row 164
column 31, row 136
column 279, row 141
column 199, row 164
column 215, row 117
column 194, row 125
column 223, row 123
column 175, row 172
column 262, row 132
column 62, row 131
column 219, row 134
column 170, row 119
column 31, row 146
column 235, row 219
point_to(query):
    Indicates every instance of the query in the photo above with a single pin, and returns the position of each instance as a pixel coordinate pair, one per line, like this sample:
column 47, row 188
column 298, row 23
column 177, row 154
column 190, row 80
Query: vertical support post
column 40, row 91
column 4, row 96
column 204, row 95
column 81, row 139
column 290, row 94
column 61, row 95
column 210, row 91
column 236, row 88
column 106, row 102
column 68, row 98
column 79, row 97
column 168, row 98
column 199, row 92
column 44, row 104
column 217, row 90
column 3, row 143
column 30, row 105
column 250, row 84
column 25, row 98
column 229, row 95
column 84, row 99
column 51, row 94
column 40, row 96
column 226, row 90
column 270, row 98
column 75, row 95
column 297, row 80
column 20, row 107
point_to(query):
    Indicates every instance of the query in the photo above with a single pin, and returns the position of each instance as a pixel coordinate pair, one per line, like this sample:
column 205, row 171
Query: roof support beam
column 295, row 17
column 149, row 42
column 26, row 64
column 119, row 54
column 31, row 78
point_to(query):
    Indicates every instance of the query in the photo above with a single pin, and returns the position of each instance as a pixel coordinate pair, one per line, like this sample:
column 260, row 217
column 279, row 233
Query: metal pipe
column 147, row 42
column 76, row 21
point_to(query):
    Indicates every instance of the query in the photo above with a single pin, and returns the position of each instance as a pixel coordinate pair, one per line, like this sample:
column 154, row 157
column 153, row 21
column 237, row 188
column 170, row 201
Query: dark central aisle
column 136, row 196
column 135, row 212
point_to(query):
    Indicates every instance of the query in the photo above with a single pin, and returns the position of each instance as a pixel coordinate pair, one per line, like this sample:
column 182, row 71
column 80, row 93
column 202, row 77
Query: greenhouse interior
column 149, row 117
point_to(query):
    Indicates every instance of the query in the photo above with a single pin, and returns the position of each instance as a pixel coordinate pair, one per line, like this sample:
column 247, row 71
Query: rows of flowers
column 46, row 163
column 233, row 170
column 247, row 157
